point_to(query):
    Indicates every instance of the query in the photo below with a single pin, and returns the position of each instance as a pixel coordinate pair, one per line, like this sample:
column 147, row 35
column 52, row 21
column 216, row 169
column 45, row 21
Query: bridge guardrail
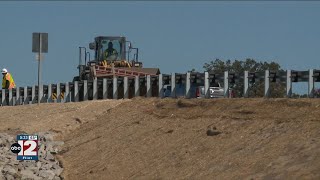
column 152, row 86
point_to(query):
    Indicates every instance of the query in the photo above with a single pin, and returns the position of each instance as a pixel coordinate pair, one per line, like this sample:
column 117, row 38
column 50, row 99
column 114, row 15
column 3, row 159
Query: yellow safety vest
column 9, row 78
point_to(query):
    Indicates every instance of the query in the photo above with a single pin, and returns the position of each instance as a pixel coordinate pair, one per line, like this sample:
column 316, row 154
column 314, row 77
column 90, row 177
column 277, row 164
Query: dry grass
column 168, row 138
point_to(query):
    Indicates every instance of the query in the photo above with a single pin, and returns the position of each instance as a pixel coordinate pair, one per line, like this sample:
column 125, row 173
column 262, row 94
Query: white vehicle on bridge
column 216, row 91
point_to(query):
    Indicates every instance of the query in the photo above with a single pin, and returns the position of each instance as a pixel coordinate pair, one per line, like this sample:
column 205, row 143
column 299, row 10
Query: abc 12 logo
column 26, row 148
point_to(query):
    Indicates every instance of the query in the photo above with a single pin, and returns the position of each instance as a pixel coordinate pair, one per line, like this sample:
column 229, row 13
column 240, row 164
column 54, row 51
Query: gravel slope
column 198, row 139
column 178, row 139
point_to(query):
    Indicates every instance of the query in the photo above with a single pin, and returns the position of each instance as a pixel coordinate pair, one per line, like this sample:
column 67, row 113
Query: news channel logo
column 26, row 147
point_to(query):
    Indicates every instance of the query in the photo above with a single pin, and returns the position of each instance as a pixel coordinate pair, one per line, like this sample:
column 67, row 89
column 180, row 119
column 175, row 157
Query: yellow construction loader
column 114, row 56
column 111, row 58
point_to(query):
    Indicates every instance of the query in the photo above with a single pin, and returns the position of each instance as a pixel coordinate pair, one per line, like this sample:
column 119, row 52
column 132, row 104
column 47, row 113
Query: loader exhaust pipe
column 80, row 55
column 85, row 61
column 80, row 67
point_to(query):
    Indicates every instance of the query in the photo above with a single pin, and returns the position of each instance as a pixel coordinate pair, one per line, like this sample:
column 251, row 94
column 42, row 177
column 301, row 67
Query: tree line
column 256, row 88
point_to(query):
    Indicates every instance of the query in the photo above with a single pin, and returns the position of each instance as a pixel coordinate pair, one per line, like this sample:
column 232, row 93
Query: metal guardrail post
column 58, row 93
column 115, row 87
column 10, row 98
column 311, row 84
column 160, row 85
column 226, row 84
column 14, row 97
column 85, row 90
column 266, row 84
column 67, row 92
column 49, row 97
column 17, row 101
column 288, row 84
column 62, row 91
column 136, row 86
column 149, row 90
column 206, row 85
column 40, row 91
column 104, row 88
column 173, row 85
column 76, row 91
column 125, row 88
column 25, row 96
column 3, row 98
column 188, row 85
column 95, row 89
column 33, row 94
column 246, row 84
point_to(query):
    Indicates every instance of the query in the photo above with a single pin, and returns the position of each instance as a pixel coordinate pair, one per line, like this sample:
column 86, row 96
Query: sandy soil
column 167, row 139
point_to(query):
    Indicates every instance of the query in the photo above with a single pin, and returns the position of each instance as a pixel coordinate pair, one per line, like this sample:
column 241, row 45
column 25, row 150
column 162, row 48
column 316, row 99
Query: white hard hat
column 4, row 70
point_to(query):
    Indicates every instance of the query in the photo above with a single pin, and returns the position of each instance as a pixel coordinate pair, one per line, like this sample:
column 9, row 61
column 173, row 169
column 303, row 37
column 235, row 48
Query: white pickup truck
column 216, row 91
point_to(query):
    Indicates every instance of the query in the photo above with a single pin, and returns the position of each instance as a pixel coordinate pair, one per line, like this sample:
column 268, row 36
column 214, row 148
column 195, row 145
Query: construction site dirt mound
column 179, row 138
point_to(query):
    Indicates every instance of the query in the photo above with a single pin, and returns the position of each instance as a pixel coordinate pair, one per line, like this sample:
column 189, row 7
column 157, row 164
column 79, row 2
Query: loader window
column 105, row 46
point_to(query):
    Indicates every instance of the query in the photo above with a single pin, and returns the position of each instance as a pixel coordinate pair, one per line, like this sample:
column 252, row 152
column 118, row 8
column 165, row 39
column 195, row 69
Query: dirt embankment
column 180, row 139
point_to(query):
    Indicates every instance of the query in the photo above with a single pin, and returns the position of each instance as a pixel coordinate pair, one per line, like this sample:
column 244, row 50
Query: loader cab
column 103, row 44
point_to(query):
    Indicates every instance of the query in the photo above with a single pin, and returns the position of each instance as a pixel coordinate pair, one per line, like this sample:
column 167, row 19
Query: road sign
column 36, row 42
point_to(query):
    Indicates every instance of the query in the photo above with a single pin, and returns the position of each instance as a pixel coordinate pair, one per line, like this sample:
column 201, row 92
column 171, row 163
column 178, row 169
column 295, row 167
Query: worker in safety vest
column 110, row 53
column 7, row 80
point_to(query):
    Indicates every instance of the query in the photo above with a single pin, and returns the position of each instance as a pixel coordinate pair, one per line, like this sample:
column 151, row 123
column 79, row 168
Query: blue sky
column 174, row 36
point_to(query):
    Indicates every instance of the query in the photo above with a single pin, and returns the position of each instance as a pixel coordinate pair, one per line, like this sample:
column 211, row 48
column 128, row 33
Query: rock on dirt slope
column 180, row 139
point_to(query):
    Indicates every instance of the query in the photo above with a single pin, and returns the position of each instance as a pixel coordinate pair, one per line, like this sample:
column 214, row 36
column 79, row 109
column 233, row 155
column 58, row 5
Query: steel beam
column 49, row 99
column 67, row 92
column 125, row 88
column 63, row 100
column 206, row 85
column 76, row 91
column 188, row 85
column 95, row 89
column 25, row 96
column 226, row 84
column 10, row 98
column 40, row 91
column 266, row 84
column 3, row 98
column 288, row 84
column 160, row 85
column 149, row 89
column 33, row 94
column 58, row 93
column 18, row 97
column 85, row 90
column 173, row 85
column 311, row 84
column 136, row 86
column 104, row 88
column 115, row 87
column 246, row 84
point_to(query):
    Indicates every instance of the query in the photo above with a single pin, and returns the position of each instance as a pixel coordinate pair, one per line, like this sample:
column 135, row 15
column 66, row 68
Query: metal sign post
column 39, row 68
column 39, row 45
